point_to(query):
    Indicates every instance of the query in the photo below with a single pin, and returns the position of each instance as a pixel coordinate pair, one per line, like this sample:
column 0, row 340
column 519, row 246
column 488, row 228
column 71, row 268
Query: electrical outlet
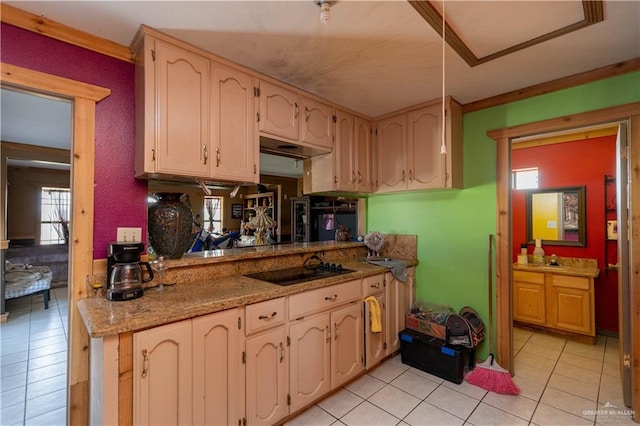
column 129, row 235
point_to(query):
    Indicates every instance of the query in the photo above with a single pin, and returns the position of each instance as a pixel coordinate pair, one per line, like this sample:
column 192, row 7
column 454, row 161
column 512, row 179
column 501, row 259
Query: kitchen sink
column 300, row 274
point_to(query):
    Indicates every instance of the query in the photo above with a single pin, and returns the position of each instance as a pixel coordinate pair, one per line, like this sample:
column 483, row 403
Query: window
column 55, row 205
column 212, row 214
column 525, row 178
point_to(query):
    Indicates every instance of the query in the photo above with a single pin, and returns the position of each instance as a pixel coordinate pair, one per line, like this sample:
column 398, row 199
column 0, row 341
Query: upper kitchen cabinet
column 195, row 118
column 172, row 111
column 289, row 115
column 349, row 168
column 233, row 131
column 409, row 149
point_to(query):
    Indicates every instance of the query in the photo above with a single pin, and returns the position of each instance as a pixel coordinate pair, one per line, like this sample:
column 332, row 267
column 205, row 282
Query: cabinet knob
column 403, row 176
column 205, row 152
column 217, row 156
column 306, row 114
column 296, row 110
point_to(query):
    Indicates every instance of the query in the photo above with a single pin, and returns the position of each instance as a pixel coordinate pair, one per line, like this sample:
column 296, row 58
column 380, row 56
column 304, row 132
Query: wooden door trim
column 503, row 138
column 84, row 97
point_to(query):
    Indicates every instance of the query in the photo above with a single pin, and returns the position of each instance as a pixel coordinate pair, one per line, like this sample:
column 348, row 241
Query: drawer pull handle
column 376, row 285
column 335, row 331
column 266, row 317
column 281, row 352
column 327, row 332
column 334, row 297
column 145, row 364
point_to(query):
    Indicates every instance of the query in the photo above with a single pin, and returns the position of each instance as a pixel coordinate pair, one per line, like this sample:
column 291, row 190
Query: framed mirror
column 557, row 216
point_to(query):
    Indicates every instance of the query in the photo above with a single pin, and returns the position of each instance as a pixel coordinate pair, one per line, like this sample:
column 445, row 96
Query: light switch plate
column 129, row 235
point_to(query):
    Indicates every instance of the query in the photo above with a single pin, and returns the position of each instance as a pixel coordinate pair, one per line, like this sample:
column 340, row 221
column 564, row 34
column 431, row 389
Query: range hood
column 288, row 149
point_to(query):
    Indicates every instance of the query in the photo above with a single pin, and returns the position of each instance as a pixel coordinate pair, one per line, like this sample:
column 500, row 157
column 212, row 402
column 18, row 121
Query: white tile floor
column 562, row 383
column 33, row 352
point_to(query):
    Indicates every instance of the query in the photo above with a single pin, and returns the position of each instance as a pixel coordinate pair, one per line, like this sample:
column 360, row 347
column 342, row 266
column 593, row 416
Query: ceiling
column 376, row 57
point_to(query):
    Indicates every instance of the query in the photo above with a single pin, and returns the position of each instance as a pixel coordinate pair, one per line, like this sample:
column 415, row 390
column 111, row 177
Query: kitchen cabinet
column 218, row 388
column 310, row 360
column 375, row 343
column 398, row 301
column 346, row 344
column 162, row 375
column 286, row 114
column 172, row 111
column 326, row 340
column 349, row 167
column 267, row 367
column 409, row 149
column 195, row 117
column 555, row 301
column 234, row 136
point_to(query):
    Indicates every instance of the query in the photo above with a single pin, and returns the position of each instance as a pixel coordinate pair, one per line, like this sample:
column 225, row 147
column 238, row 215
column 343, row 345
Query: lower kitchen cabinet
column 310, row 360
column 217, row 385
column 346, row 344
column 398, row 301
column 375, row 343
column 162, row 375
column 267, row 368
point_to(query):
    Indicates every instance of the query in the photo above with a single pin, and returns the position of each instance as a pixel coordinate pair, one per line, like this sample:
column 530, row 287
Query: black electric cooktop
column 300, row 274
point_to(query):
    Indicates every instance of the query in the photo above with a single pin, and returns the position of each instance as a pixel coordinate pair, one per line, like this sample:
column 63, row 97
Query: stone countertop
column 573, row 266
column 183, row 301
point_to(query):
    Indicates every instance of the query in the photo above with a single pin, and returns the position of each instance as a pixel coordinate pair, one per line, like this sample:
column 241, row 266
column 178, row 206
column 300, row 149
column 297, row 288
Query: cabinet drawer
column 312, row 301
column 264, row 315
column 372, row 285
column 528, row 277
column 567, row 281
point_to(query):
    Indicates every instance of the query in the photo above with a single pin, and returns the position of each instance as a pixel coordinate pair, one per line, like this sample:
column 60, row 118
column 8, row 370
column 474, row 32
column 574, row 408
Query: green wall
column 453, row 226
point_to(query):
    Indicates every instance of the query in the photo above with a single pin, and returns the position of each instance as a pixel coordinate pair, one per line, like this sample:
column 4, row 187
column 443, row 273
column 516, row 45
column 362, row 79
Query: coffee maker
column 124, row 271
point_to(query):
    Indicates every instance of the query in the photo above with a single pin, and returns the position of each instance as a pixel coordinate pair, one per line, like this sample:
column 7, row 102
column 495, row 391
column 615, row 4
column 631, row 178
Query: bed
column 23, row 280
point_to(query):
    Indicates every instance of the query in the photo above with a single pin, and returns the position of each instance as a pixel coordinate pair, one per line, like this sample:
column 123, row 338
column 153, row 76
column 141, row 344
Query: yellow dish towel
column 374, row 312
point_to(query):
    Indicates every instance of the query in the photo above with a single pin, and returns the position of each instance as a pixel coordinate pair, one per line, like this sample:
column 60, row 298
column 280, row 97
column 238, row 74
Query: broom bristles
column 490, row 376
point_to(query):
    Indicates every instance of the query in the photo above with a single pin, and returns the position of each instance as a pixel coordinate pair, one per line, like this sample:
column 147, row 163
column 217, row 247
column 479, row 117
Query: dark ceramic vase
column 170, row 224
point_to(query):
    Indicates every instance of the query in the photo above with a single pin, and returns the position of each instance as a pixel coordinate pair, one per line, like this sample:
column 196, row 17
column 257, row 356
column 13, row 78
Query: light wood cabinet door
column 182, row 112
column 217, row 391
column 391, row 142
column 374, row 343
column 529, row 297
column 346, row 344
column 267, row 365
column 426, row 166
column 233, row 130
column 396, row 310
column 363, row 158
column 345, row 152
column 310, row 376
column 162, row 375
column 279, row 111
column 571, row 303
column 316, row 125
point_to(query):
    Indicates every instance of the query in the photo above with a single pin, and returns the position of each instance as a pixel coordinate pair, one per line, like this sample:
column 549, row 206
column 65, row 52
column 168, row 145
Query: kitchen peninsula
column 220, row 347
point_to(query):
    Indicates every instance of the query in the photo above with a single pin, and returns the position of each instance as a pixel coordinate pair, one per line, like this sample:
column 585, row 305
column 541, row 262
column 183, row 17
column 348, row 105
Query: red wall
column 120, row 199
column 578, row 163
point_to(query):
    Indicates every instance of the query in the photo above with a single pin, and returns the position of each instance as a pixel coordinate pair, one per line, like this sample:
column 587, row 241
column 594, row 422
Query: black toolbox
column 434, row 356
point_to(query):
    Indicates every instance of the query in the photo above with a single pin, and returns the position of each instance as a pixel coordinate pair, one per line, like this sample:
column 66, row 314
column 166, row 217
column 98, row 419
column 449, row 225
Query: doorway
column 625, row 113
column 84, row 98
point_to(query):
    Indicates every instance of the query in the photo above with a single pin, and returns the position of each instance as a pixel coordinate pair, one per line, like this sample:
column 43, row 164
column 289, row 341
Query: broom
column 489, row 375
